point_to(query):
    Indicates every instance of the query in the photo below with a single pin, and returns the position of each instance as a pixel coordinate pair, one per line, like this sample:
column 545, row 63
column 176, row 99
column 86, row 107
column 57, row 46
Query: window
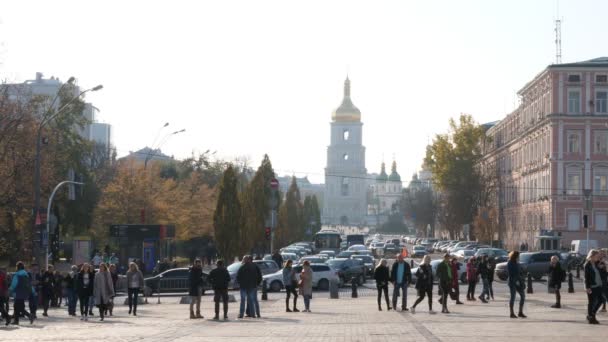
column 574, row 220
column 344, row 188
column 600, row 221
column 601, row 78
column 600, row 142
column 346, row 134
column 574, row 78
column 573, row 142
column 601, row 100
column 574, row 101
column 600, row 184
column 574, row 183
column 345, row 156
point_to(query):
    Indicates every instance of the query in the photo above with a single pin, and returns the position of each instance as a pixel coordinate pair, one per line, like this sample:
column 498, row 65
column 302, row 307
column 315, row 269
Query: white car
column 322, row 275
column 358, row 248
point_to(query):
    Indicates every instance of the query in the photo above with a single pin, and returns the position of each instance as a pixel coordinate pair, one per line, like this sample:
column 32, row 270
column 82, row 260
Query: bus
column 355, row 239
column 327, row 240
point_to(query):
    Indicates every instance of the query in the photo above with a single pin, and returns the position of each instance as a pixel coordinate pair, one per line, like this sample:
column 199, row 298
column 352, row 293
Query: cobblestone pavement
column 344, row 319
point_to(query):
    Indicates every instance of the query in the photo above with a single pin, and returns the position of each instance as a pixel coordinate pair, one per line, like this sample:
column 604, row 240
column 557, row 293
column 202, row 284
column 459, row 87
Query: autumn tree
column 227, row 220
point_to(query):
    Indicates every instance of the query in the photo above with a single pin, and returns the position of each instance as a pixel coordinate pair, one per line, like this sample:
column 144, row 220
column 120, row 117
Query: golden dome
column 347, row 112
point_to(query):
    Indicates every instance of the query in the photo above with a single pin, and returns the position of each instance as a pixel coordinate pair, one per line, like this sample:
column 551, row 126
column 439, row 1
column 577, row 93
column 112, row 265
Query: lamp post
column 46, row 118
column 48, row 215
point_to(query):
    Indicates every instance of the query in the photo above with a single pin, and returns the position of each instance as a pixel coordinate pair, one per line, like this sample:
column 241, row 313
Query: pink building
column 550, row 152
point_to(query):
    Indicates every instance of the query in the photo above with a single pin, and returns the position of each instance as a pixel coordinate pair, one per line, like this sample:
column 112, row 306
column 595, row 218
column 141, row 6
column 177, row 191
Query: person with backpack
column 219, row 279
column 556, row 276
column 21, row 288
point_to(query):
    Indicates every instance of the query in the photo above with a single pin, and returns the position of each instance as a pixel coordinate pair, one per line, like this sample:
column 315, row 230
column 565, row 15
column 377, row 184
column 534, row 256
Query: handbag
column 453, row 294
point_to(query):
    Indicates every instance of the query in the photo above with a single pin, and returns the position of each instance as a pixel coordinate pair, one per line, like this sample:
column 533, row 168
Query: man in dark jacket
column 484, row 270
column 195, row 278
column 47, row 288
column 249, row 277
column 556, row 276
column 219, row 279
column 278, row 258
column 401, row 277
column 444, row 272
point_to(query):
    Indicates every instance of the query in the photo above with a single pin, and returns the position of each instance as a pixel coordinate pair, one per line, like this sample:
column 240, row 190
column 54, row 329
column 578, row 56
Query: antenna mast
column 558, row 37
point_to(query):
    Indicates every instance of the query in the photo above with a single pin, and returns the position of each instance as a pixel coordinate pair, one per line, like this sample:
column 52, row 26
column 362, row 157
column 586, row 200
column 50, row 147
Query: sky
column 245, row 78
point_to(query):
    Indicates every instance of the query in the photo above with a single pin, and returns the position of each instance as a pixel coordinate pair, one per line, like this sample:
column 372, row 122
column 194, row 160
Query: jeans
column 256, row 304
column 445, row 292
column 84, row 305
column 72, row 300
column 485, row 293
column 522, row 296
column 132, row 294
column 307, row 302
column 249, row 296
column 471, row 290
column 383, row 288
column 289, row 290
column 3, row 307
column 594, row 301
column 220, row 295
column 396, row 290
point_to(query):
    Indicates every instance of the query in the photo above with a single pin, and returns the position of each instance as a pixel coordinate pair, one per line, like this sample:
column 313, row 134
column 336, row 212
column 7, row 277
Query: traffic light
column 585, row 221
column 267, row 231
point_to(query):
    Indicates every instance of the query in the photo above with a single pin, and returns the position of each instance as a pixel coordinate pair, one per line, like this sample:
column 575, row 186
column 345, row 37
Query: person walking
column 4, row 296
column 483, row 269
column 382, row 277
column 97, row 260
column 70, row 287
column 21, row 288
column 278, row 258
column 103, row 290
column 306, row 284
column 601, row 266
column 471, row 278
column 47, row 289
column 516, row 284
column 219, row 279
column 135, row 283
column 593, row 286
column 249, row 277
column 556, row 276
column 35, row 276
column 444, row 272
column 491, row 270
column 424, row 283
column 290, row 282
column 401, row 276
column 84, row 289
column 455, row 265
column 195, row 279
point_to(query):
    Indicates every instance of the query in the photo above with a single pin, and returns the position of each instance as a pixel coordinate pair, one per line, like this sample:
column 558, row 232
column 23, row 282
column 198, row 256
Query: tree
column 453, row 159
column 256, row 208
column 227, row 220
column 420, row 204
column 292, row 226
column 316, row 214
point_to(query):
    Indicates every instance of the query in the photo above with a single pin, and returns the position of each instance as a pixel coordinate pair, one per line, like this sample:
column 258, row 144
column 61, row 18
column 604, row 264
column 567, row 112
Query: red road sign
column 274, row 183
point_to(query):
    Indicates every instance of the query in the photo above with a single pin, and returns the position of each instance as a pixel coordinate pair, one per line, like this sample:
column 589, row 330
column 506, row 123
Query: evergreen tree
column 227, row 217
column 316, row 214
column 256, row 209
column 291, row 226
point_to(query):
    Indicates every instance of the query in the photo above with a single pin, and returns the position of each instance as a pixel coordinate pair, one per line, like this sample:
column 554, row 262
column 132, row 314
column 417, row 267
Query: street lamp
column 46, row 118
column 48, row 215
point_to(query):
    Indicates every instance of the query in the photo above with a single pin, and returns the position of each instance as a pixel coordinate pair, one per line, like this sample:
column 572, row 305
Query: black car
column 172, row 281
column 349, row 270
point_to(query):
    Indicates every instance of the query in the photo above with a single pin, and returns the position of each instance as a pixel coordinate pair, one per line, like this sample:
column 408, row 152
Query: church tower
column 345, row 174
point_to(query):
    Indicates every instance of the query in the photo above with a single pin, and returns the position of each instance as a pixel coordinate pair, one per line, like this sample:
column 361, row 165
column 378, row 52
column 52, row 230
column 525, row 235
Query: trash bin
column 333, row 290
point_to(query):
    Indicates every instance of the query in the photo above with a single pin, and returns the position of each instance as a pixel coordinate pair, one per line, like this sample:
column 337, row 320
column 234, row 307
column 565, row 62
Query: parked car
column 345, row 254
column 458, row 245
column 321, row 277
column 500, row 255
column 330, row 254
column 419, row 252
column 377, row 248
column 391, row 249
column 172, row 281
column 289, row 256
column 535, row 263
column 266, row 267
column 357, row 248
column 462, row 272
column 348, row 270
column 313, row 259
column 465, row 254
column 368, row 261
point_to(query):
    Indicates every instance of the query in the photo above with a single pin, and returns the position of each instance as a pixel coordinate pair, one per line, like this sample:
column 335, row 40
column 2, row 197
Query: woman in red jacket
column 471, row 278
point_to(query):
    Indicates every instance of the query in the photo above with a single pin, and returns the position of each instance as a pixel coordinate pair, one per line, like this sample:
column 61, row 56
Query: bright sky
column 252, row 77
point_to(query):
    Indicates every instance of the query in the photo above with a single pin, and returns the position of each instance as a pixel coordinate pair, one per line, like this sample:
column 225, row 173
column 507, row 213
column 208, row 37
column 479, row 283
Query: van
column 580, row 246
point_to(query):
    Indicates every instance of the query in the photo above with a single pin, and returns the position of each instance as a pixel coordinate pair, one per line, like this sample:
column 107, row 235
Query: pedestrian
column 290, row 282
column 4, row 295
column 56, row 298
column 103, row 290
column 483, row 269
column 444, row 272
column 471, row 278
column 219, row 279
column 195, row 280
column 382, row 277
column 97, row 260
column 401, row 276
column 249, row 278
column 556, row 276
column 113, row 259
column 84, row 289
column 21, row 288
column 455, row 294
column 135, row 283
column 516, row 284
column 47, row 289
column 35, row 277
column 491, row 270
column 424, row 283
column 306, row 284
column 278, row 258
column 114, row 276
column 71, row 280
column 601, row 266
column 593, row 286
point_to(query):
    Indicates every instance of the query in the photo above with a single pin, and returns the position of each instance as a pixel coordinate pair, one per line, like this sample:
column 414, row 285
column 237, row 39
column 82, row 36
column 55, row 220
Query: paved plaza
column 343, row 319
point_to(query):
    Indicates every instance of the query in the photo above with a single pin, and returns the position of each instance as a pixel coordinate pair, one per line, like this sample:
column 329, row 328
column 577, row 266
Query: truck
column 580, row 246
column 355, row 239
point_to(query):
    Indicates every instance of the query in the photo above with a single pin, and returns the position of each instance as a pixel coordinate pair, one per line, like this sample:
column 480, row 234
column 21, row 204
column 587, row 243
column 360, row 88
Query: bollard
column 159, row 281
column 354, row 288
column 264, row 291
column 530, row 290
column 412, row 263
column 333, row 290
column 570, row 283
column 578, row 271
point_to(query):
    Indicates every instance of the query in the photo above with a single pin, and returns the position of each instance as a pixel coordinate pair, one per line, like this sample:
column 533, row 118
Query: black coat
column 219, row 278
column 278, row 259
column 556, row 275
column 195, row 280
column 381, row 275
column 249, row 276
column 85, row 291
column 424, row 278
column 47, row 282
column 590, row 276
column 407, row 273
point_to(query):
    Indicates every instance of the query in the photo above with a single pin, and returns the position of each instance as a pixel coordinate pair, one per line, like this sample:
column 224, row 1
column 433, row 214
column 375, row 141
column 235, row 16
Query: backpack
column 24, row 285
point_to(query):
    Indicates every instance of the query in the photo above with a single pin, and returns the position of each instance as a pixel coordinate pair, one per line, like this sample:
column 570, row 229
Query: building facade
column 551, row 154
column 345, row 174
column 385, row 194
